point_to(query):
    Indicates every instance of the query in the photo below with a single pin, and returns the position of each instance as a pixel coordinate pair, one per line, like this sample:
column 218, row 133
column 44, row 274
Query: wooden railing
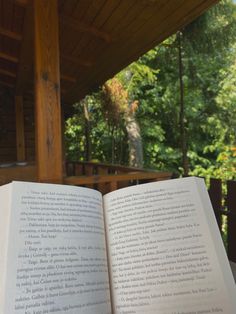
column 86, row 173
column 107, row 178
column 80, row 168
column 16, row 172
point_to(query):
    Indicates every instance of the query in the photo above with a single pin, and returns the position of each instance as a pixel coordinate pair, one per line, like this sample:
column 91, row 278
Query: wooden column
column 20, row 133
column 231, row 206
column 63, row 141
column 47, row 92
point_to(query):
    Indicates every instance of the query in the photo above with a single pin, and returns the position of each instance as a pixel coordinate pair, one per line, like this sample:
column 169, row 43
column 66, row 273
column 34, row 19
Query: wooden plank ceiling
column 97, row 38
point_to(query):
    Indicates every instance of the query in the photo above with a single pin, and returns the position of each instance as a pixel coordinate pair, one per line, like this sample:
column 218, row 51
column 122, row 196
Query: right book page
column 165, row 252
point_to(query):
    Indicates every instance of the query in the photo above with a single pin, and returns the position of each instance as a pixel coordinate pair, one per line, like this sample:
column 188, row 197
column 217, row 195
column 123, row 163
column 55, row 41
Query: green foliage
column 209, row 79
column 114, row 101
column 223, row 168
column 103, row 135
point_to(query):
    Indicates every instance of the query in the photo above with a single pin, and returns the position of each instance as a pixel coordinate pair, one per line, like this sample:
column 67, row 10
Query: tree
column 183, row 138
column 117, row 107
column 205, row 53
column 205, row 48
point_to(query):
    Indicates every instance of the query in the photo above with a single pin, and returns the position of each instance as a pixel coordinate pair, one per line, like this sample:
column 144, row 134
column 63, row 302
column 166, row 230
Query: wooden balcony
column 102, row 177
column 107, row 178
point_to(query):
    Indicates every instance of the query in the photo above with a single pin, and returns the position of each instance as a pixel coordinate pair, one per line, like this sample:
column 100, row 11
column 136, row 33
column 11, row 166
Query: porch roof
column 97, row 38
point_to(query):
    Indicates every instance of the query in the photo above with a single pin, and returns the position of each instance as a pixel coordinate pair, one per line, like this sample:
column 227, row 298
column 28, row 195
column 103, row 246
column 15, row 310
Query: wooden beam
column 7, row 84
column 68, row 78
column 25, row 68
column 82, row 27
column 78, row 61
column 7, row 73
column 10, row 34
column 20, row 133
column 21, row 3
column 47, row 92
column 8, row 57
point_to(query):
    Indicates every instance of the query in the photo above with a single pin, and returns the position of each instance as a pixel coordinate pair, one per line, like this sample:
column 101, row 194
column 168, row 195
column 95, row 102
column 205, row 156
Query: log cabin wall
column 7, row 126
column 8, row 152
column 29, row 123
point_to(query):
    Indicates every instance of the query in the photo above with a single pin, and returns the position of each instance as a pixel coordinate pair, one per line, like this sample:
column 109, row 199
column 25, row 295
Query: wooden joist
column 7, row 73
column 7, row 84
column 82, row 27
column 10, row 34
column 22, row 3
column 8, row 57
column 68, row 78
column 78, row 61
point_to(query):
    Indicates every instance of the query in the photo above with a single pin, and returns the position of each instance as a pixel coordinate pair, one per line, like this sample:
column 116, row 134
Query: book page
column 57, row 259
column 165, row 251
column 5, row 192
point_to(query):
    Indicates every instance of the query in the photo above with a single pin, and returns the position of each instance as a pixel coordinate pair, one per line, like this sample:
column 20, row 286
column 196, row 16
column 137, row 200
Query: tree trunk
column 87, row 133
column 183, row 137
column 135, row 141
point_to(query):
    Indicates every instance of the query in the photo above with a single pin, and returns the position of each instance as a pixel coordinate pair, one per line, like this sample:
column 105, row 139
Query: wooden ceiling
column 97, row 38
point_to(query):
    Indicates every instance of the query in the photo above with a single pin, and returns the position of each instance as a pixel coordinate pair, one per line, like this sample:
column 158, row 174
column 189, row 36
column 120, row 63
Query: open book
column 151, row 248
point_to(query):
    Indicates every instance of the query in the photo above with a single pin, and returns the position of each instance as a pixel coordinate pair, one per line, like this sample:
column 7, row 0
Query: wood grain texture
column 8, row 57
column 84, row 28
column 47, row 92
column 94, row 179
column 25, row 68
column 4, row 83
column 20, row 130
column 22, row 173
column 97, row 37
column 7, row 73
column 10, row 34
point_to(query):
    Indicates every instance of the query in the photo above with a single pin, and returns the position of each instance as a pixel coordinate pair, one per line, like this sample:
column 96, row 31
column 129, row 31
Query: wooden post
column 63, row 149
column 20, row 133
column 231, row 206
column 47, row 92
column 215, row 193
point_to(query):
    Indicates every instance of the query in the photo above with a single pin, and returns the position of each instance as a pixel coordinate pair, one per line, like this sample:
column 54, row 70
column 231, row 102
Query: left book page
column 5, row 193
column 56, row 253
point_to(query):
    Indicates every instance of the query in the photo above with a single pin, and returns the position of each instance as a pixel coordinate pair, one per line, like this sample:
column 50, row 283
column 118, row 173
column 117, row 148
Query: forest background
column 174, row 109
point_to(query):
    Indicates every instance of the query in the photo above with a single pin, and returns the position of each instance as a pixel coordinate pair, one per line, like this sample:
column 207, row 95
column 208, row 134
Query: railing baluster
column 103, row 187
column 122, row 184
column 78, row 169
column 113, row 186
column 89, row 171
